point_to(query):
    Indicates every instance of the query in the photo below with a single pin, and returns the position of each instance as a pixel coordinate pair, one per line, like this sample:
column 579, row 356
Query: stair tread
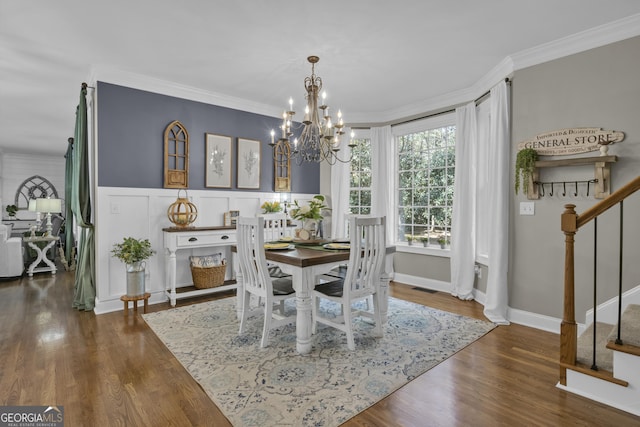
column 604, row 356
column 630, row 326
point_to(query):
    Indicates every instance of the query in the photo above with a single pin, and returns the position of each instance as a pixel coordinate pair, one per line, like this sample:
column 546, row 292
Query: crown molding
column 589, row 39
column 599, row 36
column 602, row 35
column 108, row 74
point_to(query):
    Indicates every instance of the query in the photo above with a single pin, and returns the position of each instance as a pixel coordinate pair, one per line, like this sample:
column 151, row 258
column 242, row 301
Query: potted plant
column 424, row 239
column 409, row 238
column 443, row 241
column 525, row 164
column 12, row 210
column 133, row 252
column 309, row 214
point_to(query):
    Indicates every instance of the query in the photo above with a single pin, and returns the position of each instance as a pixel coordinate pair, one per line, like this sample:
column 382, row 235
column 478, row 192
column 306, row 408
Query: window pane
column 426, row 174
column 360, row 178
column 406, row 198
column 365, row 179
column 406, row 179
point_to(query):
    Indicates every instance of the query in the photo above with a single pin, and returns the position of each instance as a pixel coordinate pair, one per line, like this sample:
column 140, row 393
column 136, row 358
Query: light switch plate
column 527, row 208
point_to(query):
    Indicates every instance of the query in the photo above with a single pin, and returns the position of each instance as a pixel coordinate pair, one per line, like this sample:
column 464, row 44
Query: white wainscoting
column 142, row 213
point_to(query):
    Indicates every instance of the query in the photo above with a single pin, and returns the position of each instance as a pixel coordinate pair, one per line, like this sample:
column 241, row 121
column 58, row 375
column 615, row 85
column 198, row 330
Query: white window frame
column 442, row 120
column 365, row 134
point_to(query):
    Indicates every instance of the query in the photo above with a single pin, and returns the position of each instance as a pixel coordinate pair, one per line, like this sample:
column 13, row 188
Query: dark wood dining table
column 305, row 263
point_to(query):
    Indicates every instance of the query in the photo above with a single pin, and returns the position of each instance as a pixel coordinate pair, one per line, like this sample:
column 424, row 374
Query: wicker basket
column 208, row 277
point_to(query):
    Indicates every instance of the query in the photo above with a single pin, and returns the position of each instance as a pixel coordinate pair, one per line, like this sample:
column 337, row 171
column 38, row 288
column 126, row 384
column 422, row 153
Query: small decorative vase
column 604, row 149
column 135, row 278
column 308, row 230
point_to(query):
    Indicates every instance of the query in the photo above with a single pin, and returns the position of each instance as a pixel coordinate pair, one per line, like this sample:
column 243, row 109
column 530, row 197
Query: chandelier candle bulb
column 306, row 119
column 273, row 133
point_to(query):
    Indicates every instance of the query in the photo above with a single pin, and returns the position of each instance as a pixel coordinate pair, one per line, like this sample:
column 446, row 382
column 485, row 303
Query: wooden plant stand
column 126, row 299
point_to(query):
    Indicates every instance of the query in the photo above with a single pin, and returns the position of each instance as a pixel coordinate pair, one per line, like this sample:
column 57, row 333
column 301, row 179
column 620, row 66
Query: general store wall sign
column 571, row 141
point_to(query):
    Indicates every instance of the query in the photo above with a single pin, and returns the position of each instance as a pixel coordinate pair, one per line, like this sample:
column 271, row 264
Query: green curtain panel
column 68, row 191
column 85, row 288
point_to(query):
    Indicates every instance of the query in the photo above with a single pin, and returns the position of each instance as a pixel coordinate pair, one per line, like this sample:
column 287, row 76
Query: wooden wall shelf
column 602, row 173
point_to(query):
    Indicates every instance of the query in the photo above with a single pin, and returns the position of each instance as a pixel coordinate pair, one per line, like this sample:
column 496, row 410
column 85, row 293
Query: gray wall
column 131, row 126
column 596, row 88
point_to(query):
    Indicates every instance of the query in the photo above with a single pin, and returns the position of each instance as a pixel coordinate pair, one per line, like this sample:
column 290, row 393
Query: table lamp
column 32, row 208
column 49, row 206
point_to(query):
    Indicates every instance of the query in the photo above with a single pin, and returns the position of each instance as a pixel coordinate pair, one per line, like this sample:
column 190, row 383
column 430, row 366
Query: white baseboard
column 525, row 318
column 608, row 310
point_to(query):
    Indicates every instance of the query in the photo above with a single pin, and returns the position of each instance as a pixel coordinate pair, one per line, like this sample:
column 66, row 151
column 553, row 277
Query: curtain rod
column 451, row 110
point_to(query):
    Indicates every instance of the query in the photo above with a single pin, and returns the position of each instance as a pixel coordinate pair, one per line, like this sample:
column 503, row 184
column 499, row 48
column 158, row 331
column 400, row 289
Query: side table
column 126, row 299
column 42, row 254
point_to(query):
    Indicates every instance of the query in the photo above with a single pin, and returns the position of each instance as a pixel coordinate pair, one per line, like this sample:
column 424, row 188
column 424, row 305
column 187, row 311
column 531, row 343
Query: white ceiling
column 377, row 59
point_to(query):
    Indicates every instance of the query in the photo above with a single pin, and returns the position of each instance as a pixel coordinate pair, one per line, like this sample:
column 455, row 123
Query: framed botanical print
column 248, row 168
column 218, row 161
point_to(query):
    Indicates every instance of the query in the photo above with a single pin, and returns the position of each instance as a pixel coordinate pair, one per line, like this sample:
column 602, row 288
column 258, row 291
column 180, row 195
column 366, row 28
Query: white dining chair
column 256, row 281
column 361, row 281
column 275, row 226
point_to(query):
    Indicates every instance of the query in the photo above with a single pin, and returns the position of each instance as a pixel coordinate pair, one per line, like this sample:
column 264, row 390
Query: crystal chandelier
column 320, row 137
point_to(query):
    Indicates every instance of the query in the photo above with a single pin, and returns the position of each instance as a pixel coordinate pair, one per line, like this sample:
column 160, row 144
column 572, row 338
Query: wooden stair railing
column 570, row 223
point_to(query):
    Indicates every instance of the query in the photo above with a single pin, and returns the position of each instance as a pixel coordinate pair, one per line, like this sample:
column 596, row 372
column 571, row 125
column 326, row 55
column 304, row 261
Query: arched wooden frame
column 35, row 187
column 282, row 168
column 176, row 156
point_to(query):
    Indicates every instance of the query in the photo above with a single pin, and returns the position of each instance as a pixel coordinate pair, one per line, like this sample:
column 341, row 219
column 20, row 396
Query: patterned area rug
column 276, row 386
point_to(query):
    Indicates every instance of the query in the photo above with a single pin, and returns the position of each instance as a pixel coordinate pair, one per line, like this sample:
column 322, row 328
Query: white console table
column 42, row 254
column 176, row 239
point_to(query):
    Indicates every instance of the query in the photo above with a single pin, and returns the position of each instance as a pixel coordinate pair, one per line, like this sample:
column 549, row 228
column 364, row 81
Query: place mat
column 337, row 246
column 278, row 246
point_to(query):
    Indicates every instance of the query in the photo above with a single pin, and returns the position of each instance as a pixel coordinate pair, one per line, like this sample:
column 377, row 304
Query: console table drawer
column 206, row 239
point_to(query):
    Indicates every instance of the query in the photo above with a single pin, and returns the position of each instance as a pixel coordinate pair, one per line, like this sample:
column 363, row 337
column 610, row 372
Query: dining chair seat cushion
column 274, row 271
column 283, row 286
column 331, row 289
column 339, row 271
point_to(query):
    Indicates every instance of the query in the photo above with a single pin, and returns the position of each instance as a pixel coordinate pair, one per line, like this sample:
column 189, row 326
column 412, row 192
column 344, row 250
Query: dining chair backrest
column 275, row 226
column 368, row 248
column 252, row 263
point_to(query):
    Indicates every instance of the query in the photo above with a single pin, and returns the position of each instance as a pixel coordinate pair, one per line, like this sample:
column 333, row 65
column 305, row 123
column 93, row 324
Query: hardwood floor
column 108, row 370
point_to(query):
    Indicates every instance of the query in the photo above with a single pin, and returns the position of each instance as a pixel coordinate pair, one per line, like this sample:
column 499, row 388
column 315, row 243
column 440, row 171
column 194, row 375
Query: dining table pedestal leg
column 303, row 306
column 384, row 296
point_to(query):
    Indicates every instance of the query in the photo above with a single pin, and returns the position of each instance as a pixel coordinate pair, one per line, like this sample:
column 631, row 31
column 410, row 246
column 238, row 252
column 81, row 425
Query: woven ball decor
column 182, row 212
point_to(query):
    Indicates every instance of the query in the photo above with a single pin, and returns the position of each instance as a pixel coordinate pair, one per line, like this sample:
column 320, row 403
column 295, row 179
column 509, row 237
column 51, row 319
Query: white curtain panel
column 496, row 302
column 463, row 222
column 383, row 182
column 340, row 182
